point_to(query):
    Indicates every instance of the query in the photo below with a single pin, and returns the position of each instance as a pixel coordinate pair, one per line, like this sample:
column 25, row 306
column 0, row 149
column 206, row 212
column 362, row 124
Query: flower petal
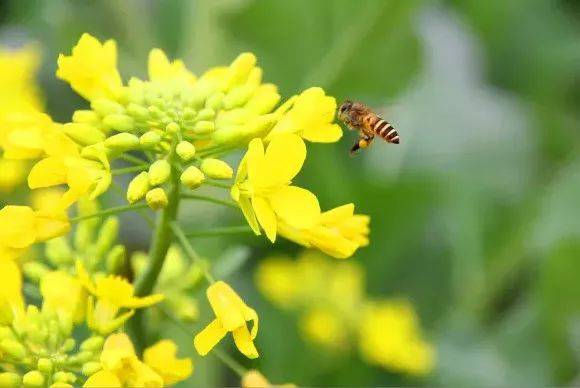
column 327, row 133
column 248, row 212
column 17, row 226
column 266, row 217
column 244, row 342
column 47, row 172
column 206, row 339
column 283, row 160
column 227, row 305
column 149, row 300
column 103, row 379
column 298, row 207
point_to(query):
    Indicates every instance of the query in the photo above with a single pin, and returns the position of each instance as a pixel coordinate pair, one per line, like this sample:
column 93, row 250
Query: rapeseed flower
column 161, row 357
column 63, row 294
column 112, row 293
column 263, row 186
column 11, row 299
column 254, row 379
column 231, row 316
column 338, row 232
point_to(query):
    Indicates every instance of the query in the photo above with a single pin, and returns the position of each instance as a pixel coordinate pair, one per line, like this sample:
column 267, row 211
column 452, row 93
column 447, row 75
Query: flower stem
column 217, row 184
column 189, row 251
column 210, row 199
column 243, row 229
column 125, row 170
column 132, row 159
column 110, row 211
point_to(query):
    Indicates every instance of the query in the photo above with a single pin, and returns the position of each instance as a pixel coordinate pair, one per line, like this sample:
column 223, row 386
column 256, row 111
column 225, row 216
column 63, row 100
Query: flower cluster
column 335, row 313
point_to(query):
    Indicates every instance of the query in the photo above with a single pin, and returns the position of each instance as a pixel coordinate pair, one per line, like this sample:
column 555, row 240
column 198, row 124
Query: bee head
column 343, row 109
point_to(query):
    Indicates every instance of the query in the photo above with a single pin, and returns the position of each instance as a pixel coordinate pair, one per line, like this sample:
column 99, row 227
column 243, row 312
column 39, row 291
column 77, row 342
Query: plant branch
column 206, row 198
column 222, row 231
column 110, row 211
column 189, row 251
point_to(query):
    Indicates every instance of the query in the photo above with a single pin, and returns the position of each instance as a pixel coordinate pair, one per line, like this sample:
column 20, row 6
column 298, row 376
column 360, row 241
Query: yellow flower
column 390, row 336
column 64, row 165
column 20, row 227
column 324, row 327
column 162, row 70
column 91, row 70
column 310, row 116
column 13, row 174
column 231, row 316
column 19, row 92
column 263, row 188
column 112, row 293
column 121, row 367
column 254, row 379
column 339, row 232
column 276, row 278
column 63, row 294
column 161, row 357
column 11, row 299
column 23, row 135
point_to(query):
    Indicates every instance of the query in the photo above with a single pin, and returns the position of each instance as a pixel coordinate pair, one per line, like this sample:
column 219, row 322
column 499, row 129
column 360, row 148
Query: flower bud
column 156, row 198
column 240, row 68
column 122, row 141
column 204, row 127
column 69, row 344
column 106, row 107
column 217, row 169
column 81, row 358
column 238, row 96
column 97, row 152
column 189, row 114
column 138, row 187
column 137, row 111
column 205, row 114
column 185, row 150
column 60, row 385
column 150, row 139
column 86, row 117
column 33, row 379
column 34, row 270
column 172, row 128
column 93, row 344
column 214, row 101
column 119, row 122
column 107, row 236
column 10, row 380
column 90, row 368
column 58, row 251
column 83, row 134
column 13, row 348
column 60, row 377
column 115, row 260
column 192, row 177
column 159, row 172
column 264, row 99
column 44, row 365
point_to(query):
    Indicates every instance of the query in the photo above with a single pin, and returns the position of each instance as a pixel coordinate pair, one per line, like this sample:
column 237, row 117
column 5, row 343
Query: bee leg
column 361, row 143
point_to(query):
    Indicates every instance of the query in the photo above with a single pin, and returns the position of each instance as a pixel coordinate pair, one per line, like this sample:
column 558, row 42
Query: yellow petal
column 206, row 339
column 266, row 217
column 162, row 358
column 298, row 207
column 337, row 214
column 117, row 351
column 103, row 379
column 248, row 212
column 47, row 172
column 327, row 133
column 85, row 278
column 226, row 305
column 255, row 160
column 254, row 379
column 51, row 224
column 17, row 226
column 11, row 299
column 149, row 300
column 283, row 160
column 244, row 342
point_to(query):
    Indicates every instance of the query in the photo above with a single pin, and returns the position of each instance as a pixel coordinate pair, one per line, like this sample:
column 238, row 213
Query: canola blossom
column 92, row 305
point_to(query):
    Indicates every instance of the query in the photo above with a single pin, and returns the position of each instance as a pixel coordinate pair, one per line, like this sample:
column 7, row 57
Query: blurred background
column 474, row 218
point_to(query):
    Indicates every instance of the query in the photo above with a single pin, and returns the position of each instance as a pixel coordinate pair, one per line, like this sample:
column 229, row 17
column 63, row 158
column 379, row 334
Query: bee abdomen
column 385, row 130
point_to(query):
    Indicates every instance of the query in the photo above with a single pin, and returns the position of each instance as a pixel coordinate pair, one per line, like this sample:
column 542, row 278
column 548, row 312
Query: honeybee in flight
column 360, row 117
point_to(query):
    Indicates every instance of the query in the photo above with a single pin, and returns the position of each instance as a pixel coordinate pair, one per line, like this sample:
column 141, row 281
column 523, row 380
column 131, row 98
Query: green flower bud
column 138, row 112
column 90, row 368
column 215, row 101
column 217, row 169
column 60, row 377
column 69, row 344
column 81, row 358
column 115, row 261
column 240, row 68
column 97, row 152
column 159, row 172
column 150, row 139
column 10, row 380
column 138, row 187
column 58, row 251
column 192, row 177
column 172, row 127
column 106, row 107
column 188, row 114
column 185, row 150
column 156, row 198
column 264, row 99
column 44, row 365
column 33, row 379
column 83, row 134
column 204, row 127
column 155, row 112
column 13, row 348
column 35, row 270
column 205, row 114
column 60, row 385
column 93, row 344
column 119, row 122
column 86, row 117
column 122, row 141
column 238, row 96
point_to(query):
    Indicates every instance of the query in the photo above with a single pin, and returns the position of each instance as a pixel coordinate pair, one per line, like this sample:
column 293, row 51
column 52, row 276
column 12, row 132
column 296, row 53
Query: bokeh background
column 474, row 216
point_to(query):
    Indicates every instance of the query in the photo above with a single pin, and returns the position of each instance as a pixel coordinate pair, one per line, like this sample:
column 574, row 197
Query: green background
column 474, row 216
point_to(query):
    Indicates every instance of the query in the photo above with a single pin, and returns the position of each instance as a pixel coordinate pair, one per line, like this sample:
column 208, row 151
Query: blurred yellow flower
column 11, row 299
column 162, row 70
column 23, row 135
column 324, row 327
column 231, row 316
column 161, row 357
column 263, row 188
column 18, row 86
column 390, row 336
column 21, row 226
column 112, row 293
column 310, row 116
column 63, row 294
column 64, row 165
column 13, row 174
column 91, row 70
column 339, row 232
column 254, row 379
column 121, row 367
column 276, row 278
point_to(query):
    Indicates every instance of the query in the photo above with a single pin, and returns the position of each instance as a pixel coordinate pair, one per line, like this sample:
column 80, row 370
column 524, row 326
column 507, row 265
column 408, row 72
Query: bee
column 360, row 117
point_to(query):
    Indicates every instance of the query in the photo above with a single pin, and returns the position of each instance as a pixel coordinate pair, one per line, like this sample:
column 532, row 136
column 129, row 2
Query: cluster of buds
column 41, row 341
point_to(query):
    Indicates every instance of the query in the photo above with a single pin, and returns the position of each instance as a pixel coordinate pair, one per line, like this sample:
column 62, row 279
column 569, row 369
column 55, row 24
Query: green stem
column 243, row 229
column 125, row 170
column 132, row 159
column 206, row 198
column 217, row 184
column 189, row 251
column 110, row 211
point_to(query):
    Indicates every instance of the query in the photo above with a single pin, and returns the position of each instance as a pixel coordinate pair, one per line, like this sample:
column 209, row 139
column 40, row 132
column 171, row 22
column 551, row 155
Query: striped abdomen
column 385, row 130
